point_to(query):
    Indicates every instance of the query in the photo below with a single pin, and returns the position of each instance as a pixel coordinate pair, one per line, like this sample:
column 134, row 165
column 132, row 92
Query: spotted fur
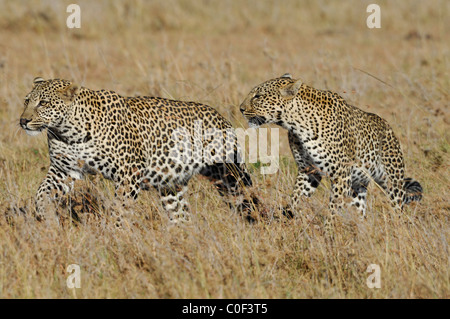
column 329, row 137
column 131, row 141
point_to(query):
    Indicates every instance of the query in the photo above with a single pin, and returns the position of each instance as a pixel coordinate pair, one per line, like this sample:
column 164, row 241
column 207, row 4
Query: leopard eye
column 258, row 95
column 43, row 103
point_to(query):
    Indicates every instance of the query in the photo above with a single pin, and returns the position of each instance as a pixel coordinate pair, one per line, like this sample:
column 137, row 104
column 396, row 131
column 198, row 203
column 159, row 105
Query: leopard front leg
column 51, row 189
column 305, row 185
column 340, row 189
column 174, row 203
column 359, row 182
column 126, row 191
column 359, row 194
column 308, row 176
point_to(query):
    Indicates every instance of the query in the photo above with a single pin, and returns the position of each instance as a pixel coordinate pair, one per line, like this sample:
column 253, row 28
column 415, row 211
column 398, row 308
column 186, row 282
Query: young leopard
column 137, row 142
column 329, row 137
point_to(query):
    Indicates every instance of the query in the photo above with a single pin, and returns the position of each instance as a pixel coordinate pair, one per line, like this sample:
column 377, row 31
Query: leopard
column 139, row 143
column 330, row 138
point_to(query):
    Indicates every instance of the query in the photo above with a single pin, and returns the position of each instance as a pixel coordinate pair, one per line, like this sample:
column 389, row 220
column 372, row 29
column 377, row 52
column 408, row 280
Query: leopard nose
column 24, row 122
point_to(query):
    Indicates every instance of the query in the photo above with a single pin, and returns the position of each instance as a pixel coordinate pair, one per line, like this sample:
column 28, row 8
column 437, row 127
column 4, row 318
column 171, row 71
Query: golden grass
column 214, row 52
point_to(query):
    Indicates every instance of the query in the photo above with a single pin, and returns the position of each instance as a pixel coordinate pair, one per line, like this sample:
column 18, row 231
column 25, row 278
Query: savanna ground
column 214, row 52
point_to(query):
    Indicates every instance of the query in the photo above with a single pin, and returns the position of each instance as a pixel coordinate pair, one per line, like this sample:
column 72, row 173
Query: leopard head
column 267, row 102
column 47, row 104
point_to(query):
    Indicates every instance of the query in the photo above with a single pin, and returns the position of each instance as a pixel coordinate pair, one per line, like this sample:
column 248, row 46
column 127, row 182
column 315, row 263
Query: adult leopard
column 329, row 137
column 137, row 142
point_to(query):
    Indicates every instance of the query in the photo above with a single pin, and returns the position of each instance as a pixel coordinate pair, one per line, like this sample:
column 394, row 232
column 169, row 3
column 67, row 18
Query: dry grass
column 214, row 52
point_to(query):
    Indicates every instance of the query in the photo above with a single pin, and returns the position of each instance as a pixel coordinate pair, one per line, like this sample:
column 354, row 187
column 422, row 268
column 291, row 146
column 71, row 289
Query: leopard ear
column 290, row 91
column 37, row 80
column 287, row 75
column 69, row 93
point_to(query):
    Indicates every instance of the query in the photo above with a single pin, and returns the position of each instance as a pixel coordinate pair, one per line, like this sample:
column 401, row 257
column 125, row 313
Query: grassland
column 214, row 52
